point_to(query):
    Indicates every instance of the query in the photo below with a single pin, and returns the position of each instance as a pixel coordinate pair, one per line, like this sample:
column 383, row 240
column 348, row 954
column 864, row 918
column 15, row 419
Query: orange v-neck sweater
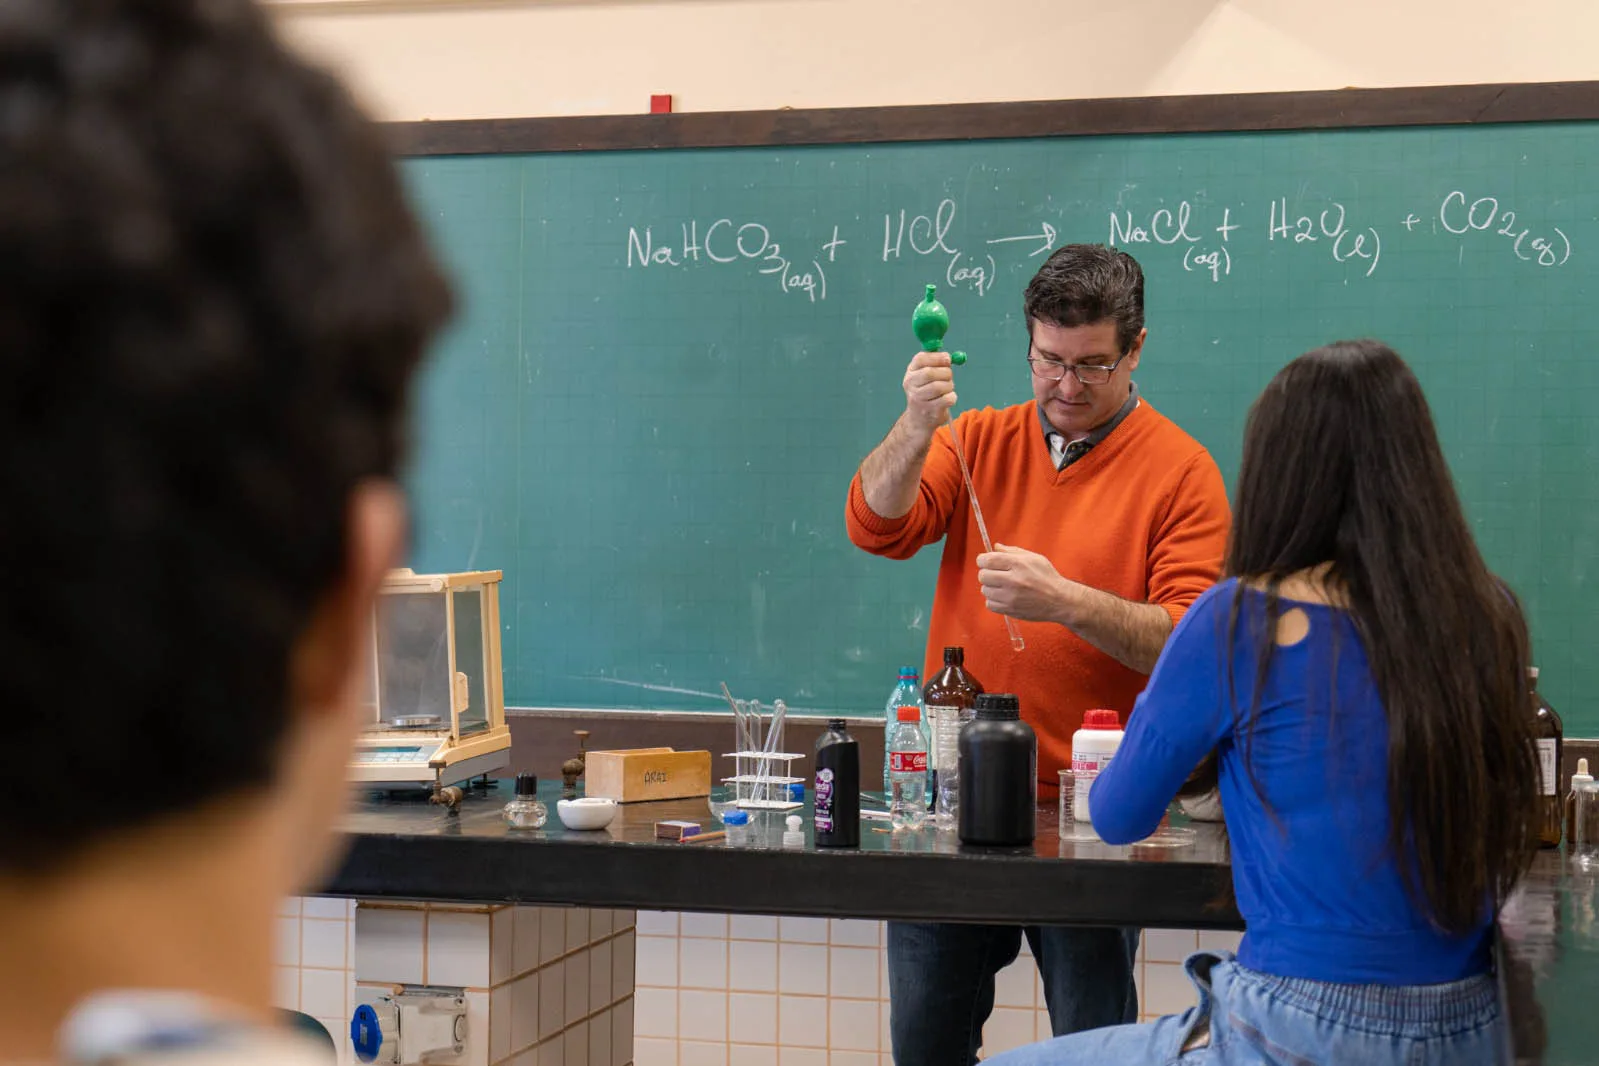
column 1143, row 515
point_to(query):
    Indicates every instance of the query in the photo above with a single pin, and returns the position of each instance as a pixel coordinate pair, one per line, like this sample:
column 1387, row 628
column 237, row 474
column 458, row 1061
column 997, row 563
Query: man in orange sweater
column 1109, row 521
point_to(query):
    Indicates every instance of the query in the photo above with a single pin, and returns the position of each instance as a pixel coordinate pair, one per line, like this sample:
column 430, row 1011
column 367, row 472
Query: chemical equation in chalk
column 1464, row 217
column 1205, row 238
column 929, row 235
column 724, row 242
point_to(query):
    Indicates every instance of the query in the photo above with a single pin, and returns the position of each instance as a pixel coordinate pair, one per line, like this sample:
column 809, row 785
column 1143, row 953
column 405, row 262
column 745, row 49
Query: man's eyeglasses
column 1088, row 374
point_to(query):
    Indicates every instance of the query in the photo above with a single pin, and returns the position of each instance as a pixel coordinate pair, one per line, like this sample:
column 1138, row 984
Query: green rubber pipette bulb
column 930, row 322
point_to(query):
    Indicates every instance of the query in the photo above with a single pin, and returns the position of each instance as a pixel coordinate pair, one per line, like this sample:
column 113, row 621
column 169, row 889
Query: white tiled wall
column 747, row 990
column 556, row 987
column 544, row 986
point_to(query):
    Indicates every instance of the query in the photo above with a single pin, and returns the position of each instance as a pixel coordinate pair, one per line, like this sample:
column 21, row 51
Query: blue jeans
column 1245, row 1017
column 941, row 983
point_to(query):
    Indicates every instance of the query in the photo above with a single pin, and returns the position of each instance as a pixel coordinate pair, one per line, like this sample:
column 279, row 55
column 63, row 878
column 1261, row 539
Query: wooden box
column 636, row 775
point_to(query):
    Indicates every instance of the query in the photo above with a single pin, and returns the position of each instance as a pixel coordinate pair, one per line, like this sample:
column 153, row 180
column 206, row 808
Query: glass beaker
column 1071, row 827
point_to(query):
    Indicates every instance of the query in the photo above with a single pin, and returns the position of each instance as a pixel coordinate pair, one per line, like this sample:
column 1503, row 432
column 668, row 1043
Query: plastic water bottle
column 907, row 693
column 907, row 763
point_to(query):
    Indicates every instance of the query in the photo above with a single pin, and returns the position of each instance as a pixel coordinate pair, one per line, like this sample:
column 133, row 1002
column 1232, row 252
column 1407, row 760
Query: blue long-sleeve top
column 1315, row 878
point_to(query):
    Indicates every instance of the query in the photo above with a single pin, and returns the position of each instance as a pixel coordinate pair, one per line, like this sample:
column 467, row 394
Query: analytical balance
column 436, row 698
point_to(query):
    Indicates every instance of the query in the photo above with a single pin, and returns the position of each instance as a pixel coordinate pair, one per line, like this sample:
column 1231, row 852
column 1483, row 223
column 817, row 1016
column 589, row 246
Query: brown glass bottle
column 948, row 699
column 1551, row 733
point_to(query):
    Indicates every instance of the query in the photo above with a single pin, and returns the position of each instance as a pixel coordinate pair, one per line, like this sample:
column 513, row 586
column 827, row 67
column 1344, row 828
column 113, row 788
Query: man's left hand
column 1023, row 585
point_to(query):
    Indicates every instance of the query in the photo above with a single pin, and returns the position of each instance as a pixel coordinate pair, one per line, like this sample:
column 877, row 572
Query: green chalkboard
column 669, row 364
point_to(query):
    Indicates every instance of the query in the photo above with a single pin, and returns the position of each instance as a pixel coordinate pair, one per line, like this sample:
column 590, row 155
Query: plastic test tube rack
column 755, row 785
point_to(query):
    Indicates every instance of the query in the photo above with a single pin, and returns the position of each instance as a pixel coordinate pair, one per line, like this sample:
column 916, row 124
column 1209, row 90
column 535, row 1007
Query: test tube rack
column 761, row 773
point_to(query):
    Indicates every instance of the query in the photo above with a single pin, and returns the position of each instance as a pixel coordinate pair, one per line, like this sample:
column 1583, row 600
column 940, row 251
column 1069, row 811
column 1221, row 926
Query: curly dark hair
column 213, row 299
column 1080, row 284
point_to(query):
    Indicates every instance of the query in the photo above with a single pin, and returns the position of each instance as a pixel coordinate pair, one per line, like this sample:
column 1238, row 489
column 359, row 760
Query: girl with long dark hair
column 1358, row 679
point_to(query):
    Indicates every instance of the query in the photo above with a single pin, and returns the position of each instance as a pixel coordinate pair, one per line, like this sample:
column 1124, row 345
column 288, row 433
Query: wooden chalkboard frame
column 1440, row 105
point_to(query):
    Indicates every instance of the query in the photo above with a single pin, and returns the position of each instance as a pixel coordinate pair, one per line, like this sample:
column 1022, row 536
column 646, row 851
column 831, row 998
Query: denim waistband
column 1453, row 1006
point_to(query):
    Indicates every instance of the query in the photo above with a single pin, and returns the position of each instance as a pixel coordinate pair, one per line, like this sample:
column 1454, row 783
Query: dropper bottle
column 1582, row 818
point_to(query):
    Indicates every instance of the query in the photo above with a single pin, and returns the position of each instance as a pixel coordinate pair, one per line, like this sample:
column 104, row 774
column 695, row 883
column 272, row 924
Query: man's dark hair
column 1080, row 284
column 214, row 297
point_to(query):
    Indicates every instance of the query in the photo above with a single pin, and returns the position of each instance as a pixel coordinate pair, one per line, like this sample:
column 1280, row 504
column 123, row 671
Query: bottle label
column 934, row 713
column 824, row 800
column 1547, row 764
column 1092, row 760
column 907, row 762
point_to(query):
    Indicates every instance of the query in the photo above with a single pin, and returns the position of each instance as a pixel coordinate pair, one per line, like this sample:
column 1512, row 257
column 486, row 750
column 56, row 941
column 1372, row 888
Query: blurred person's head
column 214, row 298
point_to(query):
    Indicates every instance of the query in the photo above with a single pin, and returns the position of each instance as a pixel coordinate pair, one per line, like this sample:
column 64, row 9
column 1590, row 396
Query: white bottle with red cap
column 1093, row 746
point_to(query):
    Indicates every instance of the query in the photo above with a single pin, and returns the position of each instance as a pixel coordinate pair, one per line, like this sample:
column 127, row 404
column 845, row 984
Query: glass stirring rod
column 930, row 322
column 1016, row 640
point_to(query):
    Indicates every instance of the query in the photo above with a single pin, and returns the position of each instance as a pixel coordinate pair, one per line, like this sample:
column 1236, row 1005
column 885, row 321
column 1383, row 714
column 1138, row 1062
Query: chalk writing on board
column 1328, row 226
column 1196, row 232
column 724, row 242
column 1461, row 216
column 831, row 247
column 1164, row 227
column 1217, row 263
column 1179, row 226
column 976, row 272
column 927, row 233
column 1045, row 239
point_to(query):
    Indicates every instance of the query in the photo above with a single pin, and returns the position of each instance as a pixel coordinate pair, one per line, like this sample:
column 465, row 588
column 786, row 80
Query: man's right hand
column 929, row 391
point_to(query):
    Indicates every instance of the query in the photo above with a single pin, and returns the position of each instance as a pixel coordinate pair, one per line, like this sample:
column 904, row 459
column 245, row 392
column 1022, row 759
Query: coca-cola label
column 907, row 762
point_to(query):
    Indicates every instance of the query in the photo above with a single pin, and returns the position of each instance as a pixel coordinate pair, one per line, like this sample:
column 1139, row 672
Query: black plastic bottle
column 836, row 808
column 998, row 775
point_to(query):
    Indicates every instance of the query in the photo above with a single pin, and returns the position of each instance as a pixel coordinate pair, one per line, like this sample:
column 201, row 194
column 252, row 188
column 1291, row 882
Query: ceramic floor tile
column 802, row 969
column 1014, row 985
column 576, row 967
column 1169, row 945
column 702, row 1015
column 853, row 972
column 389, row 945
column 852, row 1024
column 702, row 963
column 851, row 932
column 656, row 1013
column 524, row 1012
column 1167, row 989
column 799, row 1056
column 803, row 930
column 706, row 925
column 695, row 1053
column 752, row 965
column 324, row 993
column 752, row 927
column 552, row 1000
column 288, row 943
column 600, row 994
column 752, row 1018
column 458, row 949
column 648, row 1051
column 657, row 923
column 1008, row 1028
column 802, row 1021
column 657, row 961
column 318, row 907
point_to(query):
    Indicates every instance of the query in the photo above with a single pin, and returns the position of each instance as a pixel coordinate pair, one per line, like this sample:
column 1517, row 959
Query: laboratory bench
column 404, row 848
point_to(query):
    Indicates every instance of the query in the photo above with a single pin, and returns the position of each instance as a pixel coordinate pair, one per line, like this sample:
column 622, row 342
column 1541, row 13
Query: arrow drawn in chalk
column 1046, row 240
